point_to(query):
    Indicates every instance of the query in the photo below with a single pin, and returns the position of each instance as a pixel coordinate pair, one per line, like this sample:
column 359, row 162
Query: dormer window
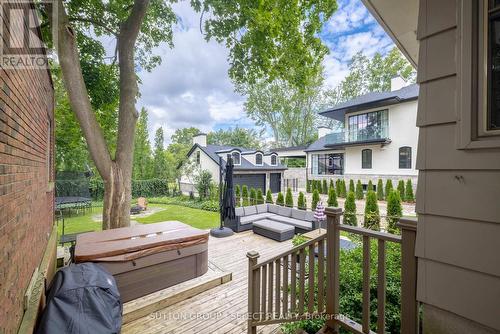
column 258, row 159
column 236, row 158
column 274, row 160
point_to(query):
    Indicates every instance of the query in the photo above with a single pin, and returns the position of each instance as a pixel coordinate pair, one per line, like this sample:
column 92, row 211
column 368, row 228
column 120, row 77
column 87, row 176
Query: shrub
column 269, row 197
column 253, row 196
column 260, row 197
column 401, row 189
column 289, row 198
column 380, row 190
column 324, row 188
column 350, row 210
column 409, row 196
column 308, row 186
column 388, row 188
column 244, row 195
column 280, row 200
column 394, row 211
column 202, row 183
column 331, row 184
column 140, row 188
column 332, row 197
column 313, row 185
column 351, row 186
column 359, row 190
column 186, row 201
column 372, row 213
column 369, row 187
column 301, row 201
column 315, row 199
column 343, row 190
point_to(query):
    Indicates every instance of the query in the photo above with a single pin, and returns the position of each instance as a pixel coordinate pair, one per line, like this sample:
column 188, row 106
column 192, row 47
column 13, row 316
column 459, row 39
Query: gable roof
column 372, row 100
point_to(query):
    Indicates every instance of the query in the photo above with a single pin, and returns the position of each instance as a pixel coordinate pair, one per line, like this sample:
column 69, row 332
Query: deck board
column 221, row 309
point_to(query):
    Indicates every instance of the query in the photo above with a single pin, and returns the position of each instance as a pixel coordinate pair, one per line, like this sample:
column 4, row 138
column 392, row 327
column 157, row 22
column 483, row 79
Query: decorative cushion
column 299, row 214
column 273, row 208
column 239, row 212
column 261, row 208
column 309, row 216
column 250, row 210
column 284, row 211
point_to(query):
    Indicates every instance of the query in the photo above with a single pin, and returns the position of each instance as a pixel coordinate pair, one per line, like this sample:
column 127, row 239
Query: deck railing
column 282, row 289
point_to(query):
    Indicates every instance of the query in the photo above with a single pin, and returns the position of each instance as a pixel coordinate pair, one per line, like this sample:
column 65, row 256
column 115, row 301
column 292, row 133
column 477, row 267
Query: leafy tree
column 253, row 196
column 308, row 186
column 380, row 190
column 372, row 213
column 280, row 200
column 142, row 168
column 239, row 137
column 260, row 197
column 394, row 211
column 351, row 186
column 409, row 196
column 315, row 199
column 369, row 187
column 237, row 194
column 401, row 189
column 359, row 190
column 269, row 197
column 289, row 198
column 203, row 182
column 263, row 43
column 332, row 197
column 350, row 217
column 301, row 201
column 244, row 195
column 388, row 188
column 324, row 187
column 160, row 164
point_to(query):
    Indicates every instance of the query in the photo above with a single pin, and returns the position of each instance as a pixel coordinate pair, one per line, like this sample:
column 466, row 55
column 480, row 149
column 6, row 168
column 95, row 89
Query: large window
column 236, row 158
column 258, row 159
column 366, row 159
column 327, row 164
column 370, row 126
column 405, row 157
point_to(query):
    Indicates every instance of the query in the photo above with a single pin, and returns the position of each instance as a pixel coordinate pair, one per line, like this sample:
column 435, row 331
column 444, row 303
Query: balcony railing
column 280, row 290
column 359, row 136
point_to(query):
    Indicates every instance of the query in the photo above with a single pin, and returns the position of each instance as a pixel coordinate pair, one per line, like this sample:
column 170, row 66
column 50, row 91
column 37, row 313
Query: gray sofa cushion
column 294, row 222
column 273, row 226
column 252, row 218
column 284, row 211
column 309, row 216
column 261, row 208
column 299, row 214
column 250, row 210
column 273, row 208
column 239, row 212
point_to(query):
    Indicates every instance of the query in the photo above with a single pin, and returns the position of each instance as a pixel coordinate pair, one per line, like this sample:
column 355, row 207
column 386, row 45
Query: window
column 366, row 159
column 274, row 161
column 236, row 158
column 327, row 164
column 405, row 157
column 369, row 126
column 492, row 119
column 197, row 157
column 258, row 159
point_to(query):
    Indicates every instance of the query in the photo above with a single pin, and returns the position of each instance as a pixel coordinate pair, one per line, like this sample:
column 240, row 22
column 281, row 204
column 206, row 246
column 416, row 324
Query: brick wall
column 26, row 170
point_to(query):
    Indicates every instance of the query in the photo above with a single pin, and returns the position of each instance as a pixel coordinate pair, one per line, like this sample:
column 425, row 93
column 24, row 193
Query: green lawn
column 194, row 217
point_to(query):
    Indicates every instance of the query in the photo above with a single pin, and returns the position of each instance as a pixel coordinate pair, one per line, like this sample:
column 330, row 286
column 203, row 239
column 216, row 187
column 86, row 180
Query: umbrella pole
column 220, row 192
column 221, row 231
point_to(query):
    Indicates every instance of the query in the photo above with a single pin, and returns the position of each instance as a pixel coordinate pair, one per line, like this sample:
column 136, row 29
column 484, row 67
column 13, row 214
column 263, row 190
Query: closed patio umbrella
column 227, row 201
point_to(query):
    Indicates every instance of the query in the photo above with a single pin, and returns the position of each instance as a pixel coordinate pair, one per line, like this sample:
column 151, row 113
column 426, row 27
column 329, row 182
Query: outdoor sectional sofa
column 302, row 221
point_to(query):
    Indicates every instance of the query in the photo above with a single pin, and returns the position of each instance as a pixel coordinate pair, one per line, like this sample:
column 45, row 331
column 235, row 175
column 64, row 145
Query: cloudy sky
column 192, row 87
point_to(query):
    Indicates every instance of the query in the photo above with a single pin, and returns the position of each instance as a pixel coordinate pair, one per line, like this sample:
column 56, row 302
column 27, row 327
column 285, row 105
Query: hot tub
column 146, row 258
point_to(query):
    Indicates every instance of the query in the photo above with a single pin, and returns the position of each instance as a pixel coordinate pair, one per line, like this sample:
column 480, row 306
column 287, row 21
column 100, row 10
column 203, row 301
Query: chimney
column 397, row 83
column 200, row 139
column 323, row 131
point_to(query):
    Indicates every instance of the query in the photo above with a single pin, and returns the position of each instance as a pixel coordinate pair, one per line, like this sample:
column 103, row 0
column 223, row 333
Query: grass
column 195, row 217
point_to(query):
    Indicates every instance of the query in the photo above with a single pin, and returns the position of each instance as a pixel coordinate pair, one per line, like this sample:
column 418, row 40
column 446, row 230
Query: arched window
column 258, row 159
column 366, row 159
column 198, row 157
column 274, row 160
column 236, row 158
column 405, row 157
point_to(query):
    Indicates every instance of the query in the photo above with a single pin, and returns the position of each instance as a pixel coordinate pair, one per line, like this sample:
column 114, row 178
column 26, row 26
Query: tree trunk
column 117, row 191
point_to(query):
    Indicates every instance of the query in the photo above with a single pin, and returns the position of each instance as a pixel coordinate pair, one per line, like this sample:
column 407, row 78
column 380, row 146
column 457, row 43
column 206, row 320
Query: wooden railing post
column 252, row 292
column 409, row 304
column 332, row 266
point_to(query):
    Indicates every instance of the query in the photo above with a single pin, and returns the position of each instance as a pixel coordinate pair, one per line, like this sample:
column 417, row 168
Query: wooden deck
column 222, row 309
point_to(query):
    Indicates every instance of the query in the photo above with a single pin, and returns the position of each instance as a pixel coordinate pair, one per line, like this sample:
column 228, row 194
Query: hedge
column 140, row 188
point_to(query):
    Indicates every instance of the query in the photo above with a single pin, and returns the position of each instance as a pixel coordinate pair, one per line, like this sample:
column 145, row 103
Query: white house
column 253, row 168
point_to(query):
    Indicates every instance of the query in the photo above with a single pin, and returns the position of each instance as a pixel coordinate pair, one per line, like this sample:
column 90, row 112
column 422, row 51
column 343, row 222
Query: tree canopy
column 240, row 137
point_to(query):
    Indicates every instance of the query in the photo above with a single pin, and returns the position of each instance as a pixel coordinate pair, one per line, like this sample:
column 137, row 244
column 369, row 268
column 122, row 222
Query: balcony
column 374, row 134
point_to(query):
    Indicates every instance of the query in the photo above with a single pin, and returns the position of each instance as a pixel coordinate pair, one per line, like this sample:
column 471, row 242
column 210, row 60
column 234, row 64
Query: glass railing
column 360, row 135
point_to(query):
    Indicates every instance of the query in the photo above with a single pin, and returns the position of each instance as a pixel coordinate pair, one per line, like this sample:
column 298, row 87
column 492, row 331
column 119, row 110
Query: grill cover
column 83, row 299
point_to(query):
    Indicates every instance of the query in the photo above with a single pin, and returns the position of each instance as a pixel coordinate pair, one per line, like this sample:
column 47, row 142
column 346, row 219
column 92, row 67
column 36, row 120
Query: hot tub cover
column 129, row 243
column 83, row 298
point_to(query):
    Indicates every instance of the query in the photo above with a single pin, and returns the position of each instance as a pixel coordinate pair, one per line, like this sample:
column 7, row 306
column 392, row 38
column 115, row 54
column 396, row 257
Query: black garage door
column 251, row 181
column 275, row 182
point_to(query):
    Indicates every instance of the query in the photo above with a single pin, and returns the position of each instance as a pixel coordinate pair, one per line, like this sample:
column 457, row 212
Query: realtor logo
column 21, row 46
